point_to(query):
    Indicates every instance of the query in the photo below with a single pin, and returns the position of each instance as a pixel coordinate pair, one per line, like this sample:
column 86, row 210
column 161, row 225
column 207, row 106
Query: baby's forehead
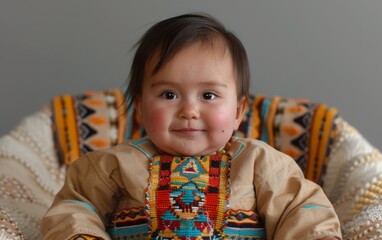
column 160, row 57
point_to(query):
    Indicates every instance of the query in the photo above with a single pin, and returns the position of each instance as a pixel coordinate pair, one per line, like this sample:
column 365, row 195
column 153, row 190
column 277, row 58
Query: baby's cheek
column 155, row 120
column 220, row 122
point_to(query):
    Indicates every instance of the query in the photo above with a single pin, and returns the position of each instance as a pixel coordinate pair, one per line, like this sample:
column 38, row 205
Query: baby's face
column 190, row 107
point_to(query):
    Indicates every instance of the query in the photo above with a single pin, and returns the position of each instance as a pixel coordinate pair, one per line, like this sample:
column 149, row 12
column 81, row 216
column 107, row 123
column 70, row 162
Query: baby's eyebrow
column 206, row 83
column 214, row 83
column 161, row 83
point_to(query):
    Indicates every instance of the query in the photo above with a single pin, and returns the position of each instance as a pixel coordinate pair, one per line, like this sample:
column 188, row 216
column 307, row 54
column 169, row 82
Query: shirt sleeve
column 292, row 207
column 86, row 200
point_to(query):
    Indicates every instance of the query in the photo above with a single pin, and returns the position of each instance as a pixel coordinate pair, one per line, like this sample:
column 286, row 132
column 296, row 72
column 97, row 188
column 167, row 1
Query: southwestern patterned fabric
column 87, row 122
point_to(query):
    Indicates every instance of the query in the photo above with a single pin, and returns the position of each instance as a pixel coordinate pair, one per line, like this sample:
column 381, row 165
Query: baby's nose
column 189, row 111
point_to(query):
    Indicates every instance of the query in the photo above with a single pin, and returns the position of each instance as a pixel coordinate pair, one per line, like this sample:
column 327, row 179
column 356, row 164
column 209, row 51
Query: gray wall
column 328, row 51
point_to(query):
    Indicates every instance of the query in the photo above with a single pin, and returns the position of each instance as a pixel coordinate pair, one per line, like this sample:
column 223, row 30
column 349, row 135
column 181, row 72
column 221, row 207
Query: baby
column 189, row 178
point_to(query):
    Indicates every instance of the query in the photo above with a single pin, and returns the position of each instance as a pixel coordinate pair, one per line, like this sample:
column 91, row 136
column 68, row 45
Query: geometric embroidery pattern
column 129, row 224
column 187, row 196
column 243, row 225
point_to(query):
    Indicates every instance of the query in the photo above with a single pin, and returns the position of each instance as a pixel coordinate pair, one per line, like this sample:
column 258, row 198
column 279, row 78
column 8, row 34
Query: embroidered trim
column 310, row 206
column 243, row 224
column 145, row 146
column 238, row 151
column 86, row 205
column 130, row 224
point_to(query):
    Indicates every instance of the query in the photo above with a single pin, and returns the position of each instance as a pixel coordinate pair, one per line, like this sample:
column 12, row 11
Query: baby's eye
column 168, row 95
column 209, row 96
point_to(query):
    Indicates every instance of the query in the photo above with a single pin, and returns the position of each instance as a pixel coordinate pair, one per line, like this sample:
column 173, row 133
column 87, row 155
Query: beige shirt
column 262, row 179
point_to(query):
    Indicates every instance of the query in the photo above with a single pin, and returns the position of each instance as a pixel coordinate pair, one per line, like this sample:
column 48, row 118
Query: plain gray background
column 328, row 51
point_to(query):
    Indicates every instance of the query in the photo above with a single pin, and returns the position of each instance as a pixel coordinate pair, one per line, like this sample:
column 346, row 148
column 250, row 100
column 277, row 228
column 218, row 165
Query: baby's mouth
column 188, row 131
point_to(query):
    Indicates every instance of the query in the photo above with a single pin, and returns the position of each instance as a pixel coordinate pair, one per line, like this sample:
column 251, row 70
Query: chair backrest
column 99, row 119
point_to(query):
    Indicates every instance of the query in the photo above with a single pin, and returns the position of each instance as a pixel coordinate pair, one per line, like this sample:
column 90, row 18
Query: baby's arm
column 81, row 205
column 291, row 206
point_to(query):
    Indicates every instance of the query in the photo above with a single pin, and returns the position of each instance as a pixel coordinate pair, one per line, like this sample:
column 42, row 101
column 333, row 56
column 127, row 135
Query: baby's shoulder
column 257, row 150
column 131, row 149
column 250, row 144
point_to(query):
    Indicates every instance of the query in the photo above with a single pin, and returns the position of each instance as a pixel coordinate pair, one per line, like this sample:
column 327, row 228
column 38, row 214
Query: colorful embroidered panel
column 187, row 196
column 243, row 225
column 133, row 224
column 130, row 224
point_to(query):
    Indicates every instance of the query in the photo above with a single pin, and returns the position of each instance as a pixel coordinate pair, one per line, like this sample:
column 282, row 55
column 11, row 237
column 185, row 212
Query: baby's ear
column 241, row 109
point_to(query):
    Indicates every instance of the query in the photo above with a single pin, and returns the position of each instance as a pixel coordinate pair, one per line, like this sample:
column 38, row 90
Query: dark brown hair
column 171, row 35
